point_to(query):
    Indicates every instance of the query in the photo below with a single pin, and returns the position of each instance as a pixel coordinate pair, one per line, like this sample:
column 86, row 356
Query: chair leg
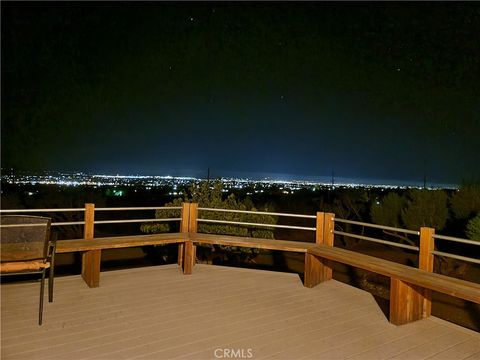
column 51, row 276
column 42, row 287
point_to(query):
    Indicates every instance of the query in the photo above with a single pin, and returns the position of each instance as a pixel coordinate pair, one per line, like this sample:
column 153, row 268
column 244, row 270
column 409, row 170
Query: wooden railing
column 410, row 293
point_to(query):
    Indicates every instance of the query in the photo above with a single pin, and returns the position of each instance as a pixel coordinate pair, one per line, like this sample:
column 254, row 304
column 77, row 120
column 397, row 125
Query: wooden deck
column 159, row 313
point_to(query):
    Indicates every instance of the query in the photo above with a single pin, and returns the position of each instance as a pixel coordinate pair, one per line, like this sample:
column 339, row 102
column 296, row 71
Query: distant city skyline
column 254, row 177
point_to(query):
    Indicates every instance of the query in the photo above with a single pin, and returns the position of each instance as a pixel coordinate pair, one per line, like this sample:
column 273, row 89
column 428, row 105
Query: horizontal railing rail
column 375, row 240
column 259, row 213
column 139, row 208
column 455, row 239
column 383, row 227
column 71, row 223
column 457, row 257
column 10, row 211
column 134, row 220
column 65, row 223
column 257, row 224
column 386, row 242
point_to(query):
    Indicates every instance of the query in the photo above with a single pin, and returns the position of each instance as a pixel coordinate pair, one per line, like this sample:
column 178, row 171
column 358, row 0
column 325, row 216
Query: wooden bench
column 66, row 246
column 92, row 248
column 266, row 244
column 410, row 288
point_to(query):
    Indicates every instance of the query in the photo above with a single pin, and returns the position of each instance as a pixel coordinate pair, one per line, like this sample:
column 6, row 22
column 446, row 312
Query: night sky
column 368, row 90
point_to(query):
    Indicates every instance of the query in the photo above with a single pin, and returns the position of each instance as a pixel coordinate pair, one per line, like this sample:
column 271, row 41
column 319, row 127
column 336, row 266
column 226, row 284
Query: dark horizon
column 367, row 90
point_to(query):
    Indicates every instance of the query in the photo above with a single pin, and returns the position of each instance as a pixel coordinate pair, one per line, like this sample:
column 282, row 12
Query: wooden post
column 192, row 228
column 188, row 259
column 190, row 248
column 406, row 302
column 328, row 239
column 183, row 229
column 427, row 245
column 90, row 259
column 318, row 270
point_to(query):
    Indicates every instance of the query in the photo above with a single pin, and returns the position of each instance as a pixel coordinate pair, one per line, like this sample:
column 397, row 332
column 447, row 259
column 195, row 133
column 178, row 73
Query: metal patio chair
column 26, row 249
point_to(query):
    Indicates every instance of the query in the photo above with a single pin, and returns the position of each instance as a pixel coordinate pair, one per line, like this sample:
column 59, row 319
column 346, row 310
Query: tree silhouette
column 466, row 201
column 210, row 195
column 425, row 208
column 349, row 204
column 473, row 228
column 387, row 211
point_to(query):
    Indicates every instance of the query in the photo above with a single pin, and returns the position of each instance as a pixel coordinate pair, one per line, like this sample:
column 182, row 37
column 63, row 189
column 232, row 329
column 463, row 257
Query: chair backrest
column 24, row 237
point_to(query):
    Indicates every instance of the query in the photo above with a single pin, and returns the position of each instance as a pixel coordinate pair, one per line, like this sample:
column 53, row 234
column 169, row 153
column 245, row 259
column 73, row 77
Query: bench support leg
column 406, row 302
column 317, row 270
column 189, row 257
column 91, row 267
column 427, row 303
column 180, row 255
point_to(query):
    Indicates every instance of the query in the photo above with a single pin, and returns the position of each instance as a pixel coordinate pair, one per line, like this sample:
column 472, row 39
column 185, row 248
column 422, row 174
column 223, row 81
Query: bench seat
column 267, row 244
column 436, row 282
column 66, row 246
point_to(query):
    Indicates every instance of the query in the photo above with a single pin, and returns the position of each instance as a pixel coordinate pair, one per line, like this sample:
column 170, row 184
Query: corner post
column 190, row 249
column 318, row 270
column 90, row 259
column 183, row 229
column 328, row 239
column 427, row 245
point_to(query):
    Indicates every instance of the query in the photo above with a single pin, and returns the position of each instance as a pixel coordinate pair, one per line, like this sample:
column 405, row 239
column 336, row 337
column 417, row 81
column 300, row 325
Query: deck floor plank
column 433, row 347
column 159, row 313
column 469, row 349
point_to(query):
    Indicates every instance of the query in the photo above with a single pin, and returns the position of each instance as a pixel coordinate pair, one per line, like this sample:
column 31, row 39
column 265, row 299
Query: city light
column 149, row 182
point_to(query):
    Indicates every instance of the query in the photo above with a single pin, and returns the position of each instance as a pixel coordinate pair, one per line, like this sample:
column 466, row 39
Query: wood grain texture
column 283, row 245
column 436, row 282
column 328, row 227
column 319, row 226
column 406, row 302
column 91, row 259
column 180, row 255
column 188, row 258
column 184, row 223
column 192, row 229
column 427, row 245
column 314, row 273
column 317, row 269
column 89, row 227
column 66, row 246
column 192, row 218
column 156, row 312
column 91, row 268
column 328, row 240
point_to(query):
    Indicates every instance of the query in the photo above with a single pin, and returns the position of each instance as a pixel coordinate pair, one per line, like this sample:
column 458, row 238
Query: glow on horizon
column 77, row 179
